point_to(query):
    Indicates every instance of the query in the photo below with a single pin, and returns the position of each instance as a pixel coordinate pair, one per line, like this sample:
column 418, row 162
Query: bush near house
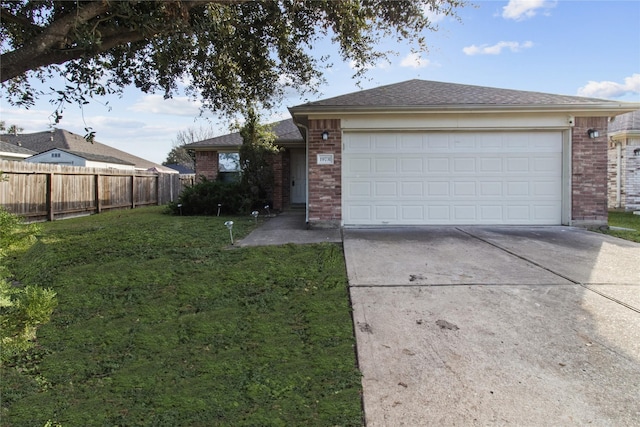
column 204, row 197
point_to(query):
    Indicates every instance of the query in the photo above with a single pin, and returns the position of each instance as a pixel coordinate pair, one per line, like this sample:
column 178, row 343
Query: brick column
column 277, row 164
column 207, row 164
column 589, row 177
column 325, row 181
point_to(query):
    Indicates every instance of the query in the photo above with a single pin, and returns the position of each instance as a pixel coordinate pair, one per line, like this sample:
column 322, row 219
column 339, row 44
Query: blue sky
column 584, row 48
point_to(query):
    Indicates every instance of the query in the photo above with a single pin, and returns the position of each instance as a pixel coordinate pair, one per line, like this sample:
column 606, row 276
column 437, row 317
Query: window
column 229, row 162
column 55, row 154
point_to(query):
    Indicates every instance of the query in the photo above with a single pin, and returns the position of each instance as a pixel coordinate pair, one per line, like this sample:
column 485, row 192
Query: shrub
column 22, row 310
column 204, row 197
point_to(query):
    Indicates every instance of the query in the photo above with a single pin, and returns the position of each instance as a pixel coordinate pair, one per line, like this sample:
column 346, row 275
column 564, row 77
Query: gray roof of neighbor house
column 94, row 157
column 424, row 95
column 65, row 140
column 286, row 132
column 626, row 122
column 7, row 147
column 182, row 170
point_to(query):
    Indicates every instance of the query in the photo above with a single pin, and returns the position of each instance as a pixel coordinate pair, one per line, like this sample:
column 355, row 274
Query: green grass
column 161, row 323
column 624, row 220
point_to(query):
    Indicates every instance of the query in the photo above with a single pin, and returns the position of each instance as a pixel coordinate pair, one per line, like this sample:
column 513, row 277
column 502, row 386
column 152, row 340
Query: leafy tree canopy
column 227, row 53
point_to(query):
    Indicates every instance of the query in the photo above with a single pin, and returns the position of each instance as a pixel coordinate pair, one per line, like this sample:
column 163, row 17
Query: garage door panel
column 412, row 189
column 412, row 165
column 464, row 165
column 412, row 213
column 385, row 165
column 490, row 188
column 386, row 189
column 490, row 164
column 452, row 178
column 358, row 165
column 517, row 164
column 464, row 189
column 438, row 164
column 438, row 188
column 359, row 189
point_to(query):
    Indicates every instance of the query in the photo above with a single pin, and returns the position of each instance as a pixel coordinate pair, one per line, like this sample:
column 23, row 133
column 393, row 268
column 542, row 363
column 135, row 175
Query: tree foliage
column 225, row 52
column 258, row 147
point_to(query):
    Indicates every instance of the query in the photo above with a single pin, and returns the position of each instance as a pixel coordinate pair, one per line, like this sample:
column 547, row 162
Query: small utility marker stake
column 255, row 215
column 229, row 225
column 219, row 206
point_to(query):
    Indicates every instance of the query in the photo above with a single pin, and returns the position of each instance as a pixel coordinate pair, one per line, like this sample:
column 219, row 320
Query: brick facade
column 589, row 172
column 325, row 181
column 629, row 173
column 280, row 164
column 207, row 164
column 632, row 176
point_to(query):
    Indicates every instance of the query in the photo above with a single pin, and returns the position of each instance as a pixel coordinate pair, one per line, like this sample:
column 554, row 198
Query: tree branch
column 31, row 56
column 22, row 21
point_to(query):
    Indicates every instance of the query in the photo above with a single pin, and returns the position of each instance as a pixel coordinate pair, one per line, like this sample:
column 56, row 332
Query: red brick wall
column 207, row 164
column 277, row 163
column 589, row 178
column 325, row 181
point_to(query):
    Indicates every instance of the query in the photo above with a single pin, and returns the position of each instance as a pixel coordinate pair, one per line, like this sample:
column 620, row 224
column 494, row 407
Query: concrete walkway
column 289, row 227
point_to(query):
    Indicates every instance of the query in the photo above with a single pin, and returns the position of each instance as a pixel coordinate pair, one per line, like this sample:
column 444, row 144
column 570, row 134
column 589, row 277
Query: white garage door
column 457, row 178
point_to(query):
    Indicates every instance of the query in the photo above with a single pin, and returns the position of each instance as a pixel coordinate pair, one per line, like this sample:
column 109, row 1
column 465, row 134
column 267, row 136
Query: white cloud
column 519, row 10
column 156, row 104
column 497, row 48
column 432, row 16
column 608, row 89
column 414, row 60
column 381, row 65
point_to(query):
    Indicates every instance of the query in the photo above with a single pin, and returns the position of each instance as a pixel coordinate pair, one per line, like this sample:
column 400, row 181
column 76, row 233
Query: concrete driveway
column 505, row 326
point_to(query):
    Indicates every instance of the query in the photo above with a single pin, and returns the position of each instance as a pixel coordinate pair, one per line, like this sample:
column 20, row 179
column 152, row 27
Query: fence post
column 158, row 189
column 50, row 213
column 133, row 191
column 96, row 179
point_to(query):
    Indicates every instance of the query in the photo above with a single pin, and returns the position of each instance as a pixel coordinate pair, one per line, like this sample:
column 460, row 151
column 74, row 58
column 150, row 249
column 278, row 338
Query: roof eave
column 604, row 109
column 622, row 134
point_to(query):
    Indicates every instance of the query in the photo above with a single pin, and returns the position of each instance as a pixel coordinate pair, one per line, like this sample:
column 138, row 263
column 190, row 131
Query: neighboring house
column 431, row 153
column 15, row 152
column 624, row 162
column 59, row 156
column 68, row 141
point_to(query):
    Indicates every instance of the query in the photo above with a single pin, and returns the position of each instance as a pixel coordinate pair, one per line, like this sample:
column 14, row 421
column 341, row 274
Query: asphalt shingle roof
column 425, row 93
column 69, row 141
column 626, row 122
column 285, row 130
column 7, row 147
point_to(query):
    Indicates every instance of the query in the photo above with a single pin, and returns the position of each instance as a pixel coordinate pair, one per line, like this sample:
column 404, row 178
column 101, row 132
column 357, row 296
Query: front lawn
column 624, row 220
column 160, row 323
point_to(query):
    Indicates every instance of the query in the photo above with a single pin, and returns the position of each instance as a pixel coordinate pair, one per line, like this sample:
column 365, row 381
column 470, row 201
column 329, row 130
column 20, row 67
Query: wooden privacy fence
column 40, row 191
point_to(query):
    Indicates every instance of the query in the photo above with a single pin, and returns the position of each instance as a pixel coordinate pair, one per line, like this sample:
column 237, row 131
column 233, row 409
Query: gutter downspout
column 618, row 174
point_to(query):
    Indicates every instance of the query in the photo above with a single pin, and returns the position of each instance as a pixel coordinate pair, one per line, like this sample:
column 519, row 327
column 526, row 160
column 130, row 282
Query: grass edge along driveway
column 159, row 322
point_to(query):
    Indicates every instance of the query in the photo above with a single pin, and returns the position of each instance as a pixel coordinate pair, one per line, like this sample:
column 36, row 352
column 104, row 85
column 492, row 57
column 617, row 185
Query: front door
column 298, row 176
